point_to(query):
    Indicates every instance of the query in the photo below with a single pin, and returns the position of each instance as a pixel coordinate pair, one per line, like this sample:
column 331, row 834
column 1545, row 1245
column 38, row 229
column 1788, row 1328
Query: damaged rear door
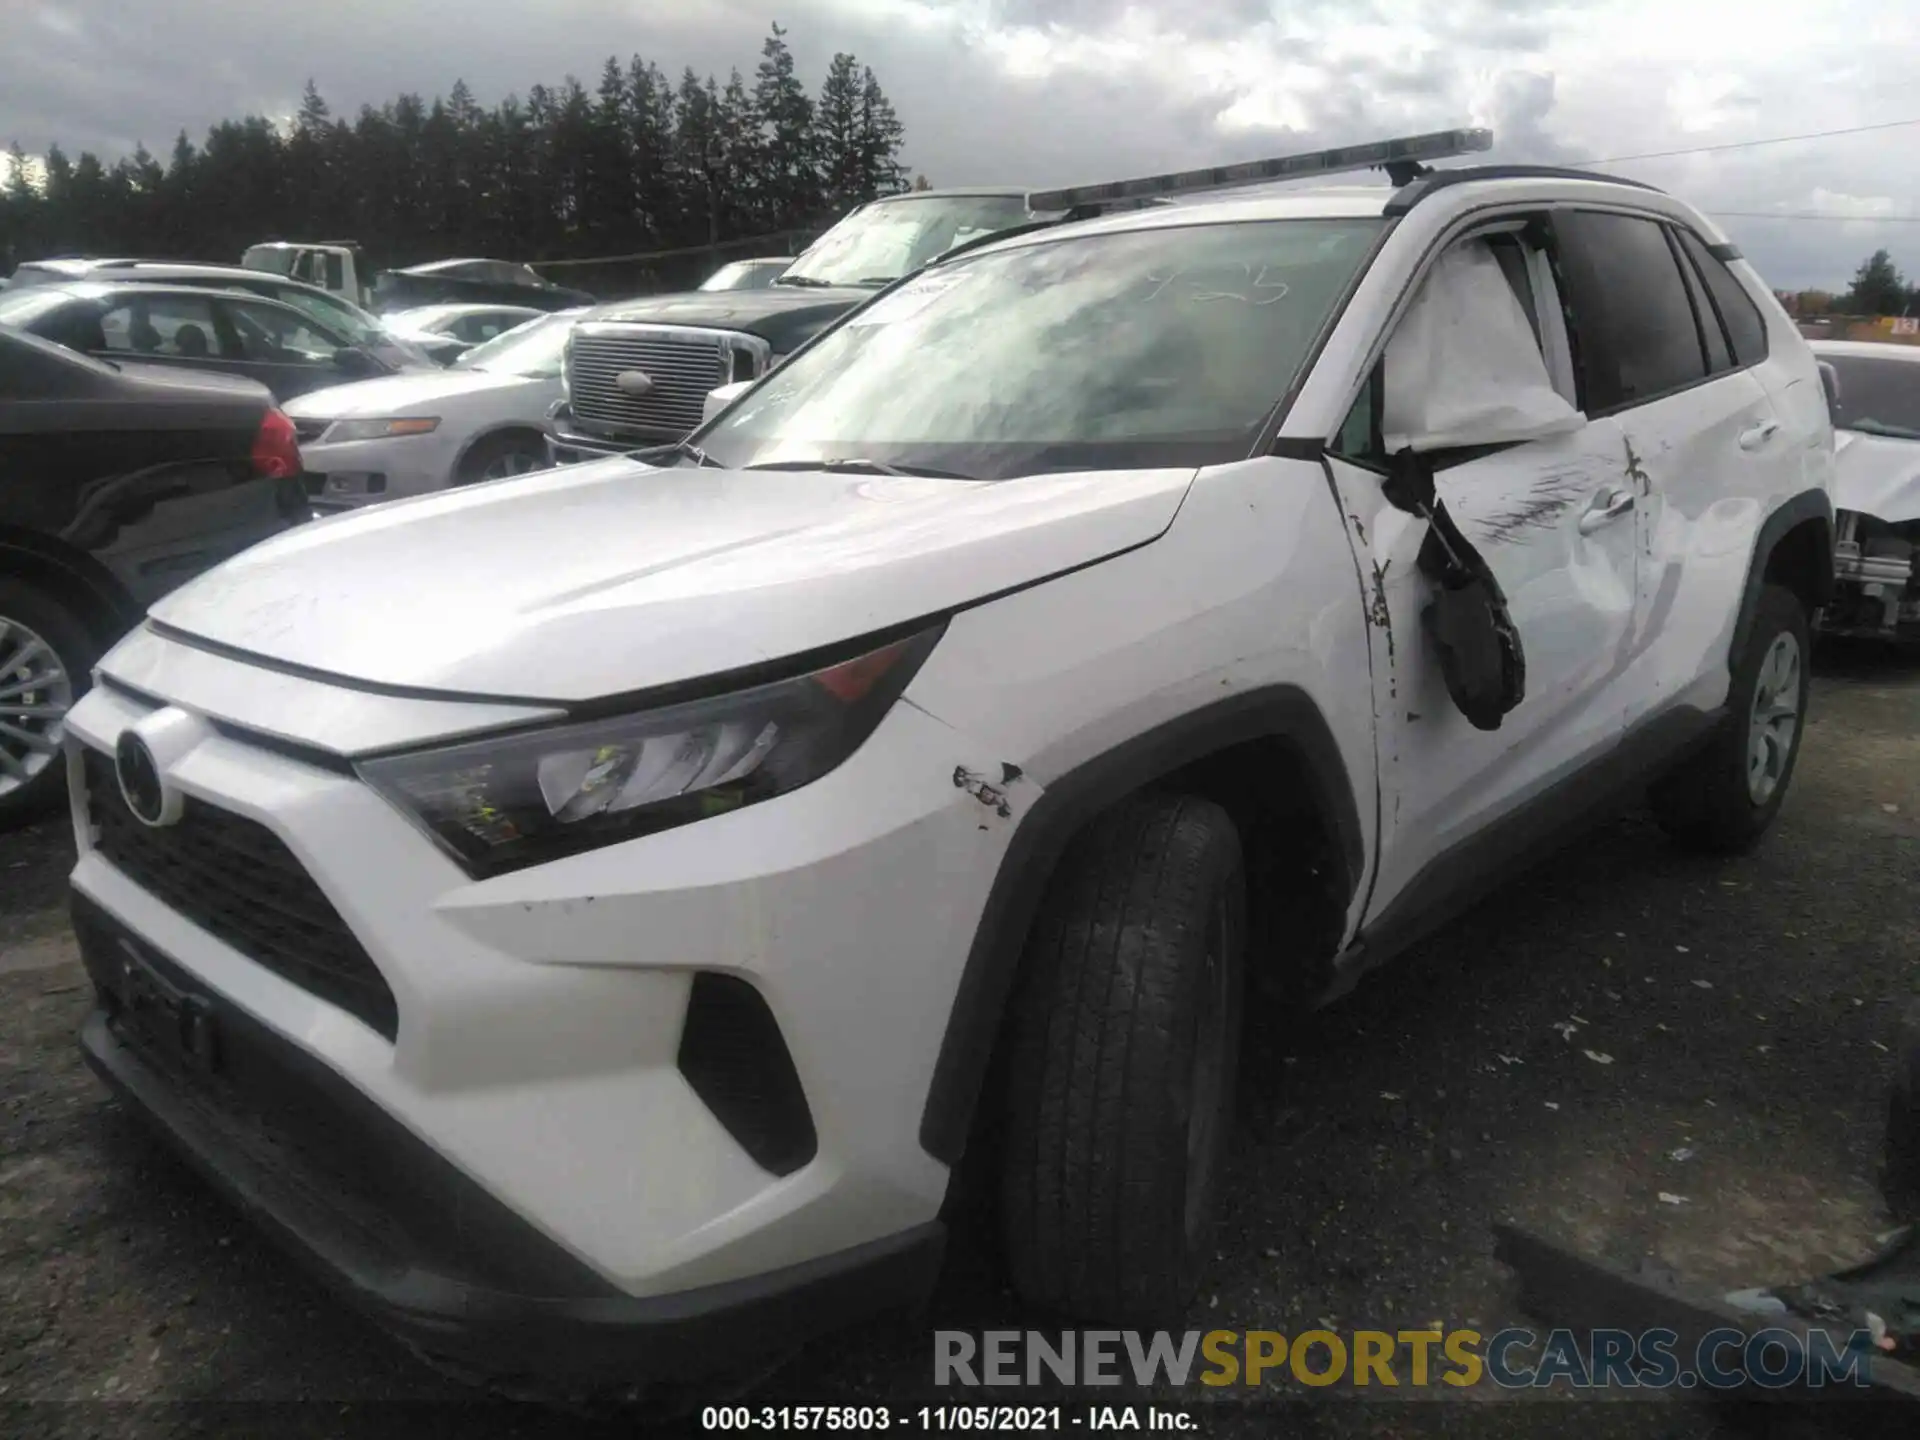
column 1478, row 378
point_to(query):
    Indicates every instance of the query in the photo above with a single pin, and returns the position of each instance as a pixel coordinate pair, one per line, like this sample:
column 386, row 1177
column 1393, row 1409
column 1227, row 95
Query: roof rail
column 1410, row 195
column 1401, row 159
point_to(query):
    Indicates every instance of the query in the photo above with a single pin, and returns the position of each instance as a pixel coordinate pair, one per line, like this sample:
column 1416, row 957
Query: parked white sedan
column 482, row 418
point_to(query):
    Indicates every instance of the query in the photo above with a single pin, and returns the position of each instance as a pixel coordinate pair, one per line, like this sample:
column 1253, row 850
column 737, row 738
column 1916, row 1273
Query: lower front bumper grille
column 238, row 881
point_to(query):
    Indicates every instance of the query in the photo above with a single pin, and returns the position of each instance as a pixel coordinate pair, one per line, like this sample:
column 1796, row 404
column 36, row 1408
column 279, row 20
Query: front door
column 1554, row 519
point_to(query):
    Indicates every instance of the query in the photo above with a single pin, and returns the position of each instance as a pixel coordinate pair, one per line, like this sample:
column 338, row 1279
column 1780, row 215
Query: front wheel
column 1124, row 1053
column 1723, row 799
column 502, row 456
column 46, row 654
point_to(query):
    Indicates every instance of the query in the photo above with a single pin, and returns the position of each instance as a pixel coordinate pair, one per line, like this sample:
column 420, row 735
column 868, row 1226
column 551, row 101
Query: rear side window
column 1746, row 329
column 1636, row 326
column 1719, row 357
column 180, row 327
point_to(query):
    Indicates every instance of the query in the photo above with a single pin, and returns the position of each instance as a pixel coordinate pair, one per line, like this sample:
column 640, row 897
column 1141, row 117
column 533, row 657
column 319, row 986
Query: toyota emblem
column 140, row 783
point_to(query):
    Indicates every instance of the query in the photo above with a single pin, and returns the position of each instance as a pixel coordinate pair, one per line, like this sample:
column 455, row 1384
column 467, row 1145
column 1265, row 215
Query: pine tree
column 698, row 159
column 650, row 120
column 786, row 122
column 1878, row 288
column 744, row 205
column 878, row 146
column 836, row 134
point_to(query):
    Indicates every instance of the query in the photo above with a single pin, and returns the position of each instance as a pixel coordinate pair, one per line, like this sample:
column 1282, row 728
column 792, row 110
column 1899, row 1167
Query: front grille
column 308, row 431
column 683, row 365
column 237, row 880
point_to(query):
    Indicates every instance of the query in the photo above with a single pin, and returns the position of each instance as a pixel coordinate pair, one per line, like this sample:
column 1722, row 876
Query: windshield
column 273, row 258
column 1877, row 397
column 890, row 238
column 1150, row 347
column 532, row 349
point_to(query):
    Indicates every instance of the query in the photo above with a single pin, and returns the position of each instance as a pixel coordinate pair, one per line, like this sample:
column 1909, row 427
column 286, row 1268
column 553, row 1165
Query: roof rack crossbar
column 1413, row 192
column 1399, row 157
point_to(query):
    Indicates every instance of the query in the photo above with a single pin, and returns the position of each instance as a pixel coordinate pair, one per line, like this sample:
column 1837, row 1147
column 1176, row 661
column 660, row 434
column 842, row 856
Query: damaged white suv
column 590, row 918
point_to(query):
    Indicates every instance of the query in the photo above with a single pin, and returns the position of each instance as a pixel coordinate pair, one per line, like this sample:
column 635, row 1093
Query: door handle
column 1756, row 436
column 1607, row 507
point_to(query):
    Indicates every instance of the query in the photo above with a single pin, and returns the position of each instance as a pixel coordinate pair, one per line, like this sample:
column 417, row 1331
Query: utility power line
column 1750, row 144
column 1816, row 215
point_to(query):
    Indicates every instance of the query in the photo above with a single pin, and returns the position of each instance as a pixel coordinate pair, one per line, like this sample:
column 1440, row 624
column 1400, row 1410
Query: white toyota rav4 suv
column 591, row 918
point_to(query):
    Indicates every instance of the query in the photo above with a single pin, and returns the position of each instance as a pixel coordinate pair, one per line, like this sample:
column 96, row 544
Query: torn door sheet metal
column 1876, row 475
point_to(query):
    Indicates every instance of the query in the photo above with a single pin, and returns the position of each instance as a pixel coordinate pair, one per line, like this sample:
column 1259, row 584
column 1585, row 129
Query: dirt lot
column 1624, row 1023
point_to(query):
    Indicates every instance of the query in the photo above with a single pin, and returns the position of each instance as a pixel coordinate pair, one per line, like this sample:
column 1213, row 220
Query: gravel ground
column 1547, row 1058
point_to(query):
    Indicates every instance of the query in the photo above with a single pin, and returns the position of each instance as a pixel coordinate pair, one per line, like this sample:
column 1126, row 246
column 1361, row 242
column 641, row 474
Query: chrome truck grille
column 651, row 381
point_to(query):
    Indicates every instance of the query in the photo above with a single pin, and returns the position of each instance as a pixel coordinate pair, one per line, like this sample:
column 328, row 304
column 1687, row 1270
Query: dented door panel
column 1704, row 464
column 1570, row 588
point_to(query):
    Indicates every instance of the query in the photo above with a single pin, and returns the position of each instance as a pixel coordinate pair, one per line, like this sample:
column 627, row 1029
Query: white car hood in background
column 1877, row 476
column 407, row 394
column 613, row 577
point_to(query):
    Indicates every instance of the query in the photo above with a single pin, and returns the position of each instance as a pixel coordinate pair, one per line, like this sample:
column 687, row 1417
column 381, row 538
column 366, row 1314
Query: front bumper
column 534, row 1047
column 353, row 473
column 404, row 1237
column 567, row 445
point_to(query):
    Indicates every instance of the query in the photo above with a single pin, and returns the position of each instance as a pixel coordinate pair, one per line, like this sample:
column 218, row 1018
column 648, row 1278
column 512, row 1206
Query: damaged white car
column 593, row 921
column 1875, row 394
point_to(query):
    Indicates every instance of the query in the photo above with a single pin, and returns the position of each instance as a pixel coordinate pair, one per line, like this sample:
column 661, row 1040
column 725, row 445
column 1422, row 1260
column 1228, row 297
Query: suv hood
column 785, row 316
column 614, row 577
column 1876, row 475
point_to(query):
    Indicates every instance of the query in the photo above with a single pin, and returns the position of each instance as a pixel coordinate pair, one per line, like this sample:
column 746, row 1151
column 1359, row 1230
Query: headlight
column 379, row 429
column 502, row 804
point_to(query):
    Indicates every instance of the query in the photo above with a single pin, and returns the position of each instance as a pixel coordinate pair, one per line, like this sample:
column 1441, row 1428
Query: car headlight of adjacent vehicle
column 526, row 798
column 342, row 430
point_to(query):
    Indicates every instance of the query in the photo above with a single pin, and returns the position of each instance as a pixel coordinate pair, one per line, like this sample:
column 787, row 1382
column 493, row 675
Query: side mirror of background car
column 1830, row 382
column 351, row 360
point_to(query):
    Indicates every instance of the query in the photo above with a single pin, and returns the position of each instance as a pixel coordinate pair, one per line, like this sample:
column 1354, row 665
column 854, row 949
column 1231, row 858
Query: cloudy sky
column 1056, row 91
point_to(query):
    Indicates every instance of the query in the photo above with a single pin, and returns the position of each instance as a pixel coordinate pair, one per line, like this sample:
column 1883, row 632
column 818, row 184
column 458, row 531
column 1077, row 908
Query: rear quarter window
column 1746, row 327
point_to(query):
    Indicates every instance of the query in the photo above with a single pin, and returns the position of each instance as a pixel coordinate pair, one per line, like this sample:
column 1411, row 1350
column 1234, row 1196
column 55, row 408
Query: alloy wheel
column 35, row 695
column 1774, row 722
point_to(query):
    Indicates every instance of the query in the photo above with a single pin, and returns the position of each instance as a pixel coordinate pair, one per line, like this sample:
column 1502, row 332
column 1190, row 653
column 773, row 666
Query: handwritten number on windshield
column 1249, row 284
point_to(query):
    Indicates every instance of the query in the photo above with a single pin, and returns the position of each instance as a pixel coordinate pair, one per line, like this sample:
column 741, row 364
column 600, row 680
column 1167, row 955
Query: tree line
column 642, row 162
column 1878, row 288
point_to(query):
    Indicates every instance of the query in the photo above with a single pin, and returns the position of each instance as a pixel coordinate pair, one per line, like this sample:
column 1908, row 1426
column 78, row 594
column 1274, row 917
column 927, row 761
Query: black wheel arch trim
column 1814, row 505
column 114, row 607
column 1284, row 713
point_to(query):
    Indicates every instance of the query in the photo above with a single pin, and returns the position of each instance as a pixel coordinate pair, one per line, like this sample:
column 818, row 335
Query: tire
column 1122, row 1062
column 1717, row 801
column 33, row 623
column 498, row 454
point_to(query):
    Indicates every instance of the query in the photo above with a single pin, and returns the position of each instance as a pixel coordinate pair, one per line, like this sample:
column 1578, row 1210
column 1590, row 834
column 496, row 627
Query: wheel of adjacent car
column 46, row 654
column 1121, row 1071
column 499, row 456
column 1722, row 799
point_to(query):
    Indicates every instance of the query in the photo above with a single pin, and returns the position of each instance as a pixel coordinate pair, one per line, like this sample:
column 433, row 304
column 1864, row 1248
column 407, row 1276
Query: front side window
column 333, row 314
column 1166, row 346
column 1637, row 335
column 879, row 243
column 271, row 335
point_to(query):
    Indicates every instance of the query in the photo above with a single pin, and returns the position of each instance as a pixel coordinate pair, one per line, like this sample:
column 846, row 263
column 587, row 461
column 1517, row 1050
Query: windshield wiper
column 806, row 281
column 864, row 466
column 678, row 450
column 876, row 279
column 1883, row 430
